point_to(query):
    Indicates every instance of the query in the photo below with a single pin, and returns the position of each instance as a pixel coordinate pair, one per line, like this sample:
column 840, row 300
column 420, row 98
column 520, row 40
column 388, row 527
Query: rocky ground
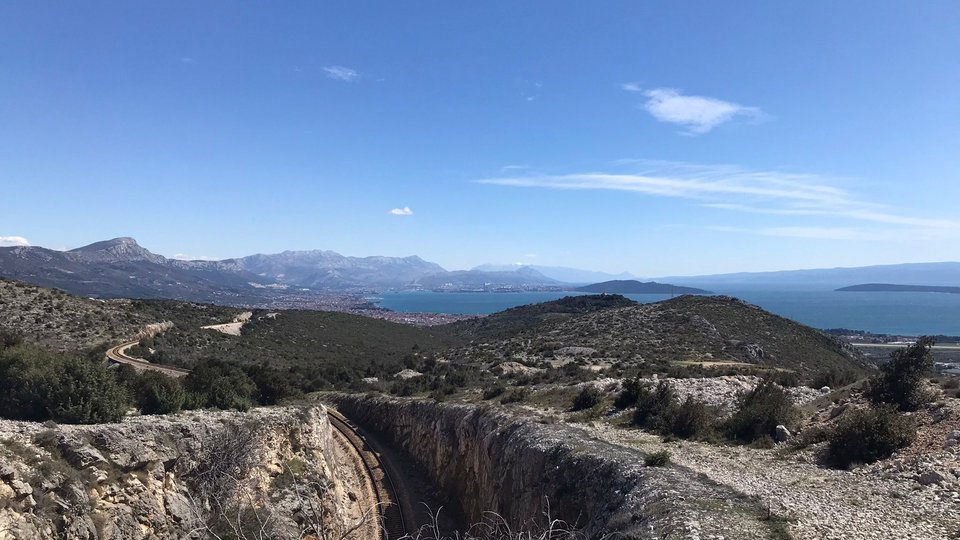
column 176, row 476
column 61, row 321
column 915, row 494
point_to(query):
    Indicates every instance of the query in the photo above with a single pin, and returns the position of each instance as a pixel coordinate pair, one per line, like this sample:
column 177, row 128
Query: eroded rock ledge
column 171, row 476
column 489, row 461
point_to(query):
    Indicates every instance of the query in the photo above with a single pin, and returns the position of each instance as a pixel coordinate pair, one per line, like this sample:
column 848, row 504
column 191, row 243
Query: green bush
column 865, row 436
column 515, row 395
column 493, row 391
column 41, row 385
column 657, row 459
column 272, row 385
column 217, row 384
column 900, row 381
column 630, row 393
column 588, row 397
column 760, row 411
column 9, row 339
column 692, row 419
column 159, row 394
column 655, row 407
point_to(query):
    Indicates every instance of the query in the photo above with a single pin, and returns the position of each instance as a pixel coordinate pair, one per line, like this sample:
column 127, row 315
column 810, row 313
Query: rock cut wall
column 489, row 461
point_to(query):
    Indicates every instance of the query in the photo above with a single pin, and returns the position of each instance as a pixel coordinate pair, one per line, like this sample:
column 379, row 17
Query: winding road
column 118, row 355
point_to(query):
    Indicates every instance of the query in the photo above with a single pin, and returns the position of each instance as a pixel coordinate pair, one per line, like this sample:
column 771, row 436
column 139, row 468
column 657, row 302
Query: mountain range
column 562, row 274
column 933, row 273
column 122, row 268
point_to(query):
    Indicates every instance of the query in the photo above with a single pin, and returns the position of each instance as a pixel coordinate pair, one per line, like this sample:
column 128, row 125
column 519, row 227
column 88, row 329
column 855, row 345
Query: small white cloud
column 697, row 114
column 340, row 73
column 13, row 241
column 405, row 211
column 188, row 60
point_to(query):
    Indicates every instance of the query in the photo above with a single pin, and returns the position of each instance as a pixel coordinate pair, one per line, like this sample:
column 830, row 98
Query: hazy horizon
column 641, row 138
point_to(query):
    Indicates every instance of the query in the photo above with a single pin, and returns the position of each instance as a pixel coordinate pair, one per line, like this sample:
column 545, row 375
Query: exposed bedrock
column 490, row 461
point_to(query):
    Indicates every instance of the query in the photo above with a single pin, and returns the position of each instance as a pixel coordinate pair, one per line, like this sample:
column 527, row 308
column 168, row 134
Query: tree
column 900, row 381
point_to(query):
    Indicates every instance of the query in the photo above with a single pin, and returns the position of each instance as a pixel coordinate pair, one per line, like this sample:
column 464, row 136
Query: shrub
column 760, row 411
column 629, row 395
column 223, row 386
column 272, row 385
column 900, row 381
column 833, row 378
column 865, row 436
column 589, row 397
column 692, row 419
column 655, row 407
column 515, row 395
column 41, row 385
column 159, row 394
column 493, row 391
column 657, row 459
column 9, row 339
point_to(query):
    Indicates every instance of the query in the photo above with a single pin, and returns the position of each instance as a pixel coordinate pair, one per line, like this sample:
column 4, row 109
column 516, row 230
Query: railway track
column 393, row 525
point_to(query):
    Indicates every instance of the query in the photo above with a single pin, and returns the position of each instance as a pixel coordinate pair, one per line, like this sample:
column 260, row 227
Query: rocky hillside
column 175, row 477
column 688, row 330
column 61, row 321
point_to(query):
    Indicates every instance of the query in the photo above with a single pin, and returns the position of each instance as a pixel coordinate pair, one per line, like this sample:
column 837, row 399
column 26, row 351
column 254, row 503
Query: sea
column 898, row 313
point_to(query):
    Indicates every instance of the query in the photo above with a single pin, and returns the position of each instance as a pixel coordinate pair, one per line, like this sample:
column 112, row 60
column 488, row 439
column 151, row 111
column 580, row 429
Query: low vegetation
column 660, row 410
column 657, row 459
column 867, row 435
column 901, row 379
column 40, row 384
column 760, row 411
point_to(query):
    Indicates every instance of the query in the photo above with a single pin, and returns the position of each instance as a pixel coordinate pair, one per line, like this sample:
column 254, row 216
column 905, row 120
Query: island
column 888, row 287
column 632, row 286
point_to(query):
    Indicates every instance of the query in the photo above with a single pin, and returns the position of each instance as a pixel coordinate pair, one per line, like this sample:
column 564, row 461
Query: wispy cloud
column 696, row 114
column 340, row 73
column 187, row 60
column 723, row 187
column 405, row 211
column 13, row 241
column 817, row 233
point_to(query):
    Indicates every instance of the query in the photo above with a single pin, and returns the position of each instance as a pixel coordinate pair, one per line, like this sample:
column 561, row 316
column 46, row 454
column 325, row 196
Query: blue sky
column 653, row 137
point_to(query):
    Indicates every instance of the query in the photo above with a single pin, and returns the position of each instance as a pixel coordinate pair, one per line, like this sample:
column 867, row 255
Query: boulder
column 927, row 478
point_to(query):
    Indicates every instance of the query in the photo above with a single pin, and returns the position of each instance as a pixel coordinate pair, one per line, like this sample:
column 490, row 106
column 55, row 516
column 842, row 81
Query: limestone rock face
column 489, row 461
column 167, row 477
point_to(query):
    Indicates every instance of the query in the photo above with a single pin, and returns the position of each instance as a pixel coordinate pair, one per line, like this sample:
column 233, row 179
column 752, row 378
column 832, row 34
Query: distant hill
column 887, row 287
column 562, row 274
column 683, row 331
column 632, row 286
column 935, row 273
column 527, row 317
